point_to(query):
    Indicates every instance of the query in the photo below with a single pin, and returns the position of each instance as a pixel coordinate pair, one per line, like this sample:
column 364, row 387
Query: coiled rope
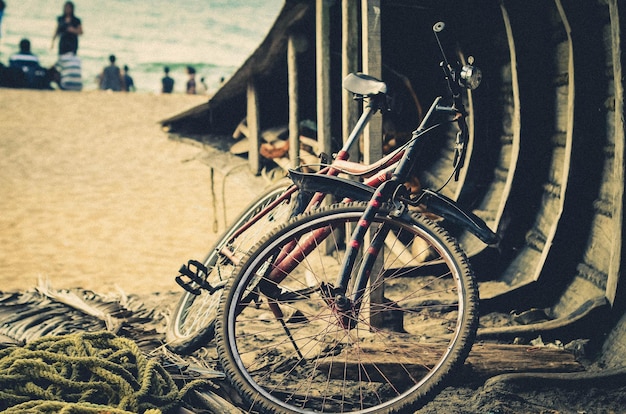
column 84, row 373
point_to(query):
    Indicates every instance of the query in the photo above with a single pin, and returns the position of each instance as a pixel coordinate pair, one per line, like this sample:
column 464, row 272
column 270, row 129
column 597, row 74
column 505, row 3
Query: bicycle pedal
column 190, row 278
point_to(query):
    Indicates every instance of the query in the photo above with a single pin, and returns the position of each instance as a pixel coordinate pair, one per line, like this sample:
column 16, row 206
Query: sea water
column 213, row 36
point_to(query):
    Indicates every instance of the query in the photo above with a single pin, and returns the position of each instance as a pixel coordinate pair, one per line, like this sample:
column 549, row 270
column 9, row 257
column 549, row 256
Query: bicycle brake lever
column 459, row 155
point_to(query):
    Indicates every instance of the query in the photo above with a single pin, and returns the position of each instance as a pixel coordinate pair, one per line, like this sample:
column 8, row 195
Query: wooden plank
column 294, row 129
column 485, row 360
column 537, row 250
column 322, row 65
column 349, row 63
column 254, row 129
column 619, row 127
column 372, row 65
column 492, row 207
column 488, row 359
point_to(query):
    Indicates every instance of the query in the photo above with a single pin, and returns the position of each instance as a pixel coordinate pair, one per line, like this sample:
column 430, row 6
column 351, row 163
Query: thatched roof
column 227, row 107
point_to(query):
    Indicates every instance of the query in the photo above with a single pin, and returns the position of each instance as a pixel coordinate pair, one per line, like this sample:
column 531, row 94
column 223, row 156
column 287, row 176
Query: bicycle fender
column 435, row 203
column 448, row 209
column 337, row 186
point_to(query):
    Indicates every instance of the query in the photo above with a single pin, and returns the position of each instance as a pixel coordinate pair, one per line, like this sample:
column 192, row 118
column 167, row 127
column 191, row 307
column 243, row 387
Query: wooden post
column 372, row 65
column 350, row 53
column 372, row 135
column 322, row 69
column 350, row 31
column 322, row 66
column 254, row 129
column 294, row 117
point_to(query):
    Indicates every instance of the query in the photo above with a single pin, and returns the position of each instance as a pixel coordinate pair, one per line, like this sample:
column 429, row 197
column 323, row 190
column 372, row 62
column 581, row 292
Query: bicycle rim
column 193, row 321
column 286, row 348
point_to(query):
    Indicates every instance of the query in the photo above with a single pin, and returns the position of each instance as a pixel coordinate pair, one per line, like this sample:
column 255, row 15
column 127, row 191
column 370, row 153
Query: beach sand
column 95, row 194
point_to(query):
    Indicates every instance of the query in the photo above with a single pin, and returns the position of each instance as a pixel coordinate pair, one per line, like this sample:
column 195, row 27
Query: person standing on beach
column 111, row 77
column 204, row 88
column 167, row 82
column 129, row 84
column 69, row 27
column 2, row 6
column 191, row 83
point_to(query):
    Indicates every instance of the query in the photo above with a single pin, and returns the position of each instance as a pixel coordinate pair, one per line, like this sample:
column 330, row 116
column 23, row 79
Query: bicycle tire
column 301, row 356
column 192, row 322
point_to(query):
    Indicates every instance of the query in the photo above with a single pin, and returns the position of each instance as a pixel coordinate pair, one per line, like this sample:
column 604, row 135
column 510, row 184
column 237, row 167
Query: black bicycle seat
column 363, row 84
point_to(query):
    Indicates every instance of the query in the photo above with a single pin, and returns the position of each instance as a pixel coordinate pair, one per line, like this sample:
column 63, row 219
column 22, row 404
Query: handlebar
column 457, row 76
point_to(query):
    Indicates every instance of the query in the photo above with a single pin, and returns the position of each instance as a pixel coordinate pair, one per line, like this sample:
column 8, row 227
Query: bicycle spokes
column 308, row 341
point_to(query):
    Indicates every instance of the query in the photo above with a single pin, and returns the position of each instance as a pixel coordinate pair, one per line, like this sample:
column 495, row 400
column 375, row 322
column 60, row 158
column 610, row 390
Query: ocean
column 213, row 36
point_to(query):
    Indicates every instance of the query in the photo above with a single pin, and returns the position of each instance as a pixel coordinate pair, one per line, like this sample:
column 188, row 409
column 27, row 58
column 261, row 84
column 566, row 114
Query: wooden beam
column 372, row 135
column 254, row 128
column 615, row 266
column 294, row 117
column 322, row 67
column 372, row 65
column 350, row 32
column 485, row 360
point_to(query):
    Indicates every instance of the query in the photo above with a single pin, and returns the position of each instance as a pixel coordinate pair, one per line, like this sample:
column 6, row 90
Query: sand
column 95, row 194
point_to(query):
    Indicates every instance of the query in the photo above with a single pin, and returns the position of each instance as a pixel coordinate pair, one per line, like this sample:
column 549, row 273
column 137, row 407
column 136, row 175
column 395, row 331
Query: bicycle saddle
column 363, row 84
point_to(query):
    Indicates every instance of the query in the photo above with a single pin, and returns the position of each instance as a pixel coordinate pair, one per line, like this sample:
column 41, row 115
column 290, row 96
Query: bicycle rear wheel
column 286, row 346
column 192, row 322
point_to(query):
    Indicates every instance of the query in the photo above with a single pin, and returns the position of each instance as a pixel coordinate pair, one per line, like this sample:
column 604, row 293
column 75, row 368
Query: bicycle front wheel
column 192, row 322
column 288, row 345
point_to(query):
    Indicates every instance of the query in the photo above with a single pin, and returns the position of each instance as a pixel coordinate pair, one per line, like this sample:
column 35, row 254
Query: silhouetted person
column 167, row 82
column 204, row 88
column 191, row 83
column 2, row 6
column 129, row 84
column 26, row 70
column 69, row 27
column 111, row 77
column 24, row 58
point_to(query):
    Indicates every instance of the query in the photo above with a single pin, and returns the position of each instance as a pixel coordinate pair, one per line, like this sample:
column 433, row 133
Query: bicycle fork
column 348, row 307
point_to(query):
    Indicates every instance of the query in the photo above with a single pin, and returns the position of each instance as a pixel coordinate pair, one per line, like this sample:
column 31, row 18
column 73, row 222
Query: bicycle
column 192, row 324
column 311, row 322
